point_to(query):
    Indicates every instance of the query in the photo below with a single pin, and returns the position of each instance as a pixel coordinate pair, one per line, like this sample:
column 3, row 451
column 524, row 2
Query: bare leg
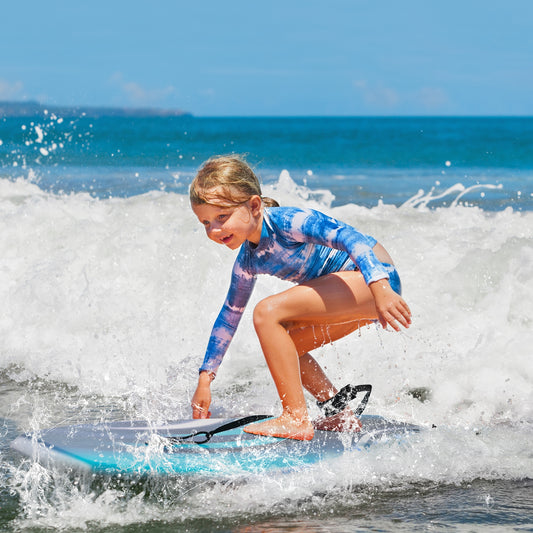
column 317, row 383
column 307, row 338
column 335, row 304
column 314, row 379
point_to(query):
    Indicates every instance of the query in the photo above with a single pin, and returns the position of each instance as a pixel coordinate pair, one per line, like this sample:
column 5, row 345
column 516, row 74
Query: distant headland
column 33, row 109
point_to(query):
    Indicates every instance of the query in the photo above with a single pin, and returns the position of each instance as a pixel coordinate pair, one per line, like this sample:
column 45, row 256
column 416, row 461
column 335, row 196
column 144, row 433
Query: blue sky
column 290, row 57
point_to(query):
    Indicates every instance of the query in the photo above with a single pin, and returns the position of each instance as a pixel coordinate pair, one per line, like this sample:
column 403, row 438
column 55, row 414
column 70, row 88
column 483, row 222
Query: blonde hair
column 234, row 180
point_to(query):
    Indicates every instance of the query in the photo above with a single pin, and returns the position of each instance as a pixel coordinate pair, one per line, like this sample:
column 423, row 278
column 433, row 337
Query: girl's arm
column 307, row 225
column 242, row 285
column 316, row 227
column 228, row 319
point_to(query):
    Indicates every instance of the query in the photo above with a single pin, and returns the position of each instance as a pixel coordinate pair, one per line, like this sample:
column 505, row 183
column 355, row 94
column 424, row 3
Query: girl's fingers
column 399, row 315
column 394, row 325
column 403, row 313
column 407, row 312
column 392, row 311
column 199, row 412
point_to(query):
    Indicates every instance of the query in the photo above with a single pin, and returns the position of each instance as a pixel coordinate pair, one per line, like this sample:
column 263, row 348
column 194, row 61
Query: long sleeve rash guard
column 296, row 245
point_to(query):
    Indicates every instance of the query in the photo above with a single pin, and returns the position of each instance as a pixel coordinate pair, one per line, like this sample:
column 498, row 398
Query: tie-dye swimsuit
column 296, row 245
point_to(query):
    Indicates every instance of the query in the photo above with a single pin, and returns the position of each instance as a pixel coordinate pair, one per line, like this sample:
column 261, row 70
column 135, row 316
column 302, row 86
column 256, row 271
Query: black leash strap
column 206, row 435
column 341, row 400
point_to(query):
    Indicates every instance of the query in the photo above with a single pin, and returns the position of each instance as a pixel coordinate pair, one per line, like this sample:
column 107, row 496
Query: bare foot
column 344, row 421
column 284, row 426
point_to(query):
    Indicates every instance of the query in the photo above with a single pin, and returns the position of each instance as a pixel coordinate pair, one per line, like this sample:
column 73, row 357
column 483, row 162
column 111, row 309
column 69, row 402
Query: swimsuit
column 296, row 245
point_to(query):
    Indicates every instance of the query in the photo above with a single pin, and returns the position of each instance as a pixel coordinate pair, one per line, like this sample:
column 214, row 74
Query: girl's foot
column 284, row 426
column 344, row 421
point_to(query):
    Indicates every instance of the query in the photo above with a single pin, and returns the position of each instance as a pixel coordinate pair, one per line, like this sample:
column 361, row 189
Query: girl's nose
column 213, row 229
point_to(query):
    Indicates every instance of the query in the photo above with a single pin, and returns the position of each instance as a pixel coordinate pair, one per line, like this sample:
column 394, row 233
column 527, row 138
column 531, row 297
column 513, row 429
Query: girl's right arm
column 242, row 284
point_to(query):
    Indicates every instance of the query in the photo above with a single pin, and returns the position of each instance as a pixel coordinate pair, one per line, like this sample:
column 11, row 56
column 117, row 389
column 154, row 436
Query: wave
column 102, row 294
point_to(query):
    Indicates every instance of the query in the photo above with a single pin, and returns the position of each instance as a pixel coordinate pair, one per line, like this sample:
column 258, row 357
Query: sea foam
column 110, row 295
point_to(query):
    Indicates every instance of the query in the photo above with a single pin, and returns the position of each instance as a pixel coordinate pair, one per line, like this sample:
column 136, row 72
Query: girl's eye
column 222, row 217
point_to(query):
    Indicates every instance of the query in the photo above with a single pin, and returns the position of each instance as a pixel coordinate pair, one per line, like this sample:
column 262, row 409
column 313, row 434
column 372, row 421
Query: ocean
column 109, row 288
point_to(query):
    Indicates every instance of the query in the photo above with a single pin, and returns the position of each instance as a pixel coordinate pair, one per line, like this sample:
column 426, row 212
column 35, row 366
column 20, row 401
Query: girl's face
column 233, row 225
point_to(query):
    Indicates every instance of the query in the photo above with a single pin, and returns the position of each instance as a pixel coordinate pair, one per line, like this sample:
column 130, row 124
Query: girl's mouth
column 225, row 240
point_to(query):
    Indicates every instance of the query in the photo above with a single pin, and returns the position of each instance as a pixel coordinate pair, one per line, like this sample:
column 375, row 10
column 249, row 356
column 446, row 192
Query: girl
column 344, row 280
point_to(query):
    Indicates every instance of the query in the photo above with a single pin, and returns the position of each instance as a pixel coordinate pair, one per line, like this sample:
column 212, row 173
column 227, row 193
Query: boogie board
column 179, row 447
column 208, row 446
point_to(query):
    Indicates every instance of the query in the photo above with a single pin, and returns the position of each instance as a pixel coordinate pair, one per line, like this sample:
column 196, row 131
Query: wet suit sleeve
column 316, row 227
column 242, row 284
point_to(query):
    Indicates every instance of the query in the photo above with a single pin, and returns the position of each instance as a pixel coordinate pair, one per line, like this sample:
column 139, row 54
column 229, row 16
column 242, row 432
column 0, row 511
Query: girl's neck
column 255, row 237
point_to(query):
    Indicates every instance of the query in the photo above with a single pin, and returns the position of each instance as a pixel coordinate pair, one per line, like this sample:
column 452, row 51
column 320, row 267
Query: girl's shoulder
column 293, row 218
column 296, row 224
column 287, row 215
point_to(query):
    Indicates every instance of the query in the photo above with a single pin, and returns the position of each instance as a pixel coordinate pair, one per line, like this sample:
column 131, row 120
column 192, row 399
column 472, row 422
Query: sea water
column 109, row 287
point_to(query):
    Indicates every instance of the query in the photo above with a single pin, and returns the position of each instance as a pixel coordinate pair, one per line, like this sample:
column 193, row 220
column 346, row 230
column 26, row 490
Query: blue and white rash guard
column 296, row 245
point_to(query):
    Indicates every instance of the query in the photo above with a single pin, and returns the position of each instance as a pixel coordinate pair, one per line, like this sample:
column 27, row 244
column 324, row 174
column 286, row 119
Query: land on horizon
column 14, row 109
column 33, row 108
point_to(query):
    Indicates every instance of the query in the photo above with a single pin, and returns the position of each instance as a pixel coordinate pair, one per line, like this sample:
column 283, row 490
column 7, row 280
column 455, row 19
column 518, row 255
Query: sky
column 272, row 58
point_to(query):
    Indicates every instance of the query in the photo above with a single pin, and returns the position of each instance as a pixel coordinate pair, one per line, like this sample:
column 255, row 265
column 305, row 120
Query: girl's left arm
column 314, row 226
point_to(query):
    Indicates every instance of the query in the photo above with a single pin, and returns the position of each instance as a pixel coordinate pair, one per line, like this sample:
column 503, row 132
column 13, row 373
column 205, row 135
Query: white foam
column 40, row 134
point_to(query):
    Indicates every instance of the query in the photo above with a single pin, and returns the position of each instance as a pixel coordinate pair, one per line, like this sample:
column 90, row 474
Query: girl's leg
column 317, row 383
column 314, row 379
column 340, row 301
column 308, row 338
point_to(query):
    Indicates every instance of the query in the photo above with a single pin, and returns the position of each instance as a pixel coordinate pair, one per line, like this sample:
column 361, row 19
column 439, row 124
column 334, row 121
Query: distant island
column 33, row 109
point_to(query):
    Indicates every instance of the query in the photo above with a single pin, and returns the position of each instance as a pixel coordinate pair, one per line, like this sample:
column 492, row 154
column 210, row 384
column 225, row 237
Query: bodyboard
column 142, row 447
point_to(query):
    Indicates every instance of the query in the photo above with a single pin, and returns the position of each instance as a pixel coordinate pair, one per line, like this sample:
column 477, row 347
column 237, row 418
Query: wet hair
column 226, row 181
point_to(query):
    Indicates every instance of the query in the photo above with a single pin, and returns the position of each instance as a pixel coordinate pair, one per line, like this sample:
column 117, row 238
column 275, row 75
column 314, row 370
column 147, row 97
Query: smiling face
column 232, row 225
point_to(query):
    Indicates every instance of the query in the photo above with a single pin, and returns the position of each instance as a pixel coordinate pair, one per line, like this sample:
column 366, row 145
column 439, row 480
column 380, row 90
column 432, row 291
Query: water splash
column 422, row 199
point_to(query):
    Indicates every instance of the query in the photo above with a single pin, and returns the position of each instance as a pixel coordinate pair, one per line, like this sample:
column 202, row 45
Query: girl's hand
column 390, row 306
column 202, row 397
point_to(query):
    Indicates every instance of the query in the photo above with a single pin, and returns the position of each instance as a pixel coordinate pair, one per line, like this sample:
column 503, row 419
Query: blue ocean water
column 109, row 289
column 360, row 160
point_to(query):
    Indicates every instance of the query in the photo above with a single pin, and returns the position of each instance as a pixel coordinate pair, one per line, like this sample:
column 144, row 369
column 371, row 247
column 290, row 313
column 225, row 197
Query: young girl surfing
column 344, row 280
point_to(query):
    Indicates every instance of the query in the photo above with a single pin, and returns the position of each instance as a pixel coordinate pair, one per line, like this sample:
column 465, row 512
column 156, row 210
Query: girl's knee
column 264, row 313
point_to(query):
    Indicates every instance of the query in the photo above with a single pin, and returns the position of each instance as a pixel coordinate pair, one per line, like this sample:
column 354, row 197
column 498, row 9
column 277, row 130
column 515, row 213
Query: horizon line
column 175, row 112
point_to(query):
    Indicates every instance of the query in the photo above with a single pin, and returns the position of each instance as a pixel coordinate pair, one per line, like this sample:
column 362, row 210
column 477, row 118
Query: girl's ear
column 256, row 204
